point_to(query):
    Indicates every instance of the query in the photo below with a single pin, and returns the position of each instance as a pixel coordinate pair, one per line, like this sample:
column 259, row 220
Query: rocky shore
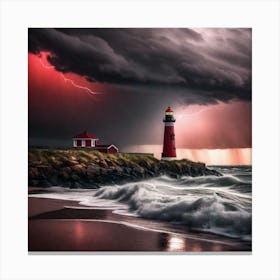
column 85, row 168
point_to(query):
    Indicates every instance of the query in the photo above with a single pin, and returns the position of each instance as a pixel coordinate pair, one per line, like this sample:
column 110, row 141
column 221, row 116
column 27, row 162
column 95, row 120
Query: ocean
column 209, row 204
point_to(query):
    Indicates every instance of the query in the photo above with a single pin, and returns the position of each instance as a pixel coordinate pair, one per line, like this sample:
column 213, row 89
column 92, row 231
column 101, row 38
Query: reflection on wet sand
column 178, row 243
column 75, row 229
column 171, row 243
column 77, row 235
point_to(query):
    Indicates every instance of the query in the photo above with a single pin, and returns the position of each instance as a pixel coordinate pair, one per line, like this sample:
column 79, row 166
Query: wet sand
column 60, row 225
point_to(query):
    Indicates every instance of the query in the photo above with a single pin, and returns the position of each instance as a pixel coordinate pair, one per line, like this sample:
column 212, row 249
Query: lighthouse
column 169, row 149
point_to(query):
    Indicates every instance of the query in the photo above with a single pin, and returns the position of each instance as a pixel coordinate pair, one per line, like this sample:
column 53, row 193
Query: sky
column 117, row 82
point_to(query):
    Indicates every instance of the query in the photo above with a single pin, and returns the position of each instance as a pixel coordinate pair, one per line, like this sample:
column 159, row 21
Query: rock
column 67, row 184
column 76, row 185
column 75, row 177
column 117, row 170
column 54, row 180
column 44, row 171
column 92, row 170
column 154, row 168
column 66, row 172
column 127, row 170
column 33, row 183
column 90, row 186
column 79, row 169
column 73, row 162
column 44, row 184
column 103, row 164
column 139, row 169
column 33, row 172
column 109, row 162
column 103, row 169
column 65, row 175
column 149, row 173
column 69, row 162
column 92, row 181
column 213, row 172
column 173, row 175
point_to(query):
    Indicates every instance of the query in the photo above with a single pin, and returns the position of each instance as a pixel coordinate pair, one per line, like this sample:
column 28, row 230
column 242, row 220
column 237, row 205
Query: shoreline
column 66, row 226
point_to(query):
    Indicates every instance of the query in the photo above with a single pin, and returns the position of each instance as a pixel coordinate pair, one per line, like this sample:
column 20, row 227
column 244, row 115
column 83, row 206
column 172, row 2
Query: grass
column 58, row 157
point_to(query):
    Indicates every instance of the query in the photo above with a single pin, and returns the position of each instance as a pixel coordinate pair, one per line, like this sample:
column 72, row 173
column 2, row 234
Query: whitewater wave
column 215, row 212
column 220, row 205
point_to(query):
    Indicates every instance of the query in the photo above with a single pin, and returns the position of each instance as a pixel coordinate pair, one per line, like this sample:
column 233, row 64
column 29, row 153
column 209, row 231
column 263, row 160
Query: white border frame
column 262, row 16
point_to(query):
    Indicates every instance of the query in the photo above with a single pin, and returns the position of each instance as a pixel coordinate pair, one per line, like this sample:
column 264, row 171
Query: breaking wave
column 215, row 211
column 220, row 205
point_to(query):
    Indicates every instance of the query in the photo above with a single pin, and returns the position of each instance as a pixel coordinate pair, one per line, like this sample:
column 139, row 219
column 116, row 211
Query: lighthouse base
column 168, row 158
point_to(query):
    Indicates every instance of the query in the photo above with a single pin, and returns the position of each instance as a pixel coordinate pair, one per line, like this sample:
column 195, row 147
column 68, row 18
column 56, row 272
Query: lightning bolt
column 89, row 91
column 44, row 65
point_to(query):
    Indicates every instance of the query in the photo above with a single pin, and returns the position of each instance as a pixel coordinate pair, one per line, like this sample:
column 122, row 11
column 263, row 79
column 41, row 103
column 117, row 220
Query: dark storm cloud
column 207, row 65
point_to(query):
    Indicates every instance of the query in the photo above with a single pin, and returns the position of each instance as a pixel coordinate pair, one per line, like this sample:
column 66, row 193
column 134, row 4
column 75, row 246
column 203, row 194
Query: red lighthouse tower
column 169, row 150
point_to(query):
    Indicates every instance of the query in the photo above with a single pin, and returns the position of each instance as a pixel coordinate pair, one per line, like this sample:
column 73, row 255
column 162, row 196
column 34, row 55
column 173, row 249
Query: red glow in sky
column 239, row 156
column 37, row 63
column 215, row 134
column 219, row 126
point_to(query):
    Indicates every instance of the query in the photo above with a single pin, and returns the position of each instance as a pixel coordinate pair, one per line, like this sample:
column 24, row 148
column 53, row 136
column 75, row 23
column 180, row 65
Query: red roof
column 168, row 109
column 85, row 134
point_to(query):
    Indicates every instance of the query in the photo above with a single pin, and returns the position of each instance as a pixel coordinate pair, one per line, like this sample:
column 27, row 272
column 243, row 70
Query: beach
column 64, row 226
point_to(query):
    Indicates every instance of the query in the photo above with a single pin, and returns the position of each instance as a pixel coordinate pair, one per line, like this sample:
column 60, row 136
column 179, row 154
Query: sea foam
column 220, row 205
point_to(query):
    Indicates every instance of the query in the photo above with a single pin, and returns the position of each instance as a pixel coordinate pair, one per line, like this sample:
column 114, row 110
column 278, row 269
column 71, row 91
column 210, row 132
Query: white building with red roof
column 84, row 139
column 88, row 140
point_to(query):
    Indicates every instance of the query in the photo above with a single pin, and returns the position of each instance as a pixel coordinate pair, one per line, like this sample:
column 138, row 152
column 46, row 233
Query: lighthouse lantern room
column 169, row 149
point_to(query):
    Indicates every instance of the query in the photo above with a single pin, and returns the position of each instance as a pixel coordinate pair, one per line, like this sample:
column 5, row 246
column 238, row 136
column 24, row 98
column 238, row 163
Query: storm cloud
column 202, row 65
column 139, row 72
